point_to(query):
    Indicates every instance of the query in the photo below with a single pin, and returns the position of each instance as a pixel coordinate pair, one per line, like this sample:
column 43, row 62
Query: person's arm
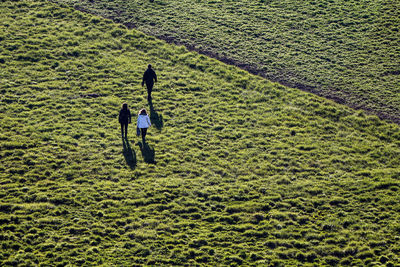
column 155, row 76
column 144, row 78
column 148, row 120
column 119, row 116
column 129, row 116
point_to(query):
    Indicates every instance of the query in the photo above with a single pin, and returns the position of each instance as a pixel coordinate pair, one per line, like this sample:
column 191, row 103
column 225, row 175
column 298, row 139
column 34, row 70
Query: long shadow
column 156, row 120
column 129, row 154
column 148, row 152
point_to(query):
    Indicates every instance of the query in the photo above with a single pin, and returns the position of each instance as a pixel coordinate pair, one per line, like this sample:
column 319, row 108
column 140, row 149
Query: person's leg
column 126, row 130
column 122, row 129
column 144, row 131
column 149, row 89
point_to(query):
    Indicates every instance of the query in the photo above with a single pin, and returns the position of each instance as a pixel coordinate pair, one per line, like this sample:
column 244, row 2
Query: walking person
column 143, row 123
column 149, row 77
column 124, row 119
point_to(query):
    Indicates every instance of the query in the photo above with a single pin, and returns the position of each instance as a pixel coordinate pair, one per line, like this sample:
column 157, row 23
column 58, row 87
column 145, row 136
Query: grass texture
column 237, row 170
column 344, row 50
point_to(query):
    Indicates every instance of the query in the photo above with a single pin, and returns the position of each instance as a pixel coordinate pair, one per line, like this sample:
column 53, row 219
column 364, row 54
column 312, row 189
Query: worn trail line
column 333, row 94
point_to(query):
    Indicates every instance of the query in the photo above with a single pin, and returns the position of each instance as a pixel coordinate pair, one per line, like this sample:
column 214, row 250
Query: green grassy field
column 344, row 50
column 237, row 170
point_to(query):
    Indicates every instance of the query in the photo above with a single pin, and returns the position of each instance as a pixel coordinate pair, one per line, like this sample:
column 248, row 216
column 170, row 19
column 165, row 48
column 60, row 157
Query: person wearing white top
column 143, row 122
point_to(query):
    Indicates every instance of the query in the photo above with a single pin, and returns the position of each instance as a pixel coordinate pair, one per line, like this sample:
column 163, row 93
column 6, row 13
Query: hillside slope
column 237, row 170
column 343, row 50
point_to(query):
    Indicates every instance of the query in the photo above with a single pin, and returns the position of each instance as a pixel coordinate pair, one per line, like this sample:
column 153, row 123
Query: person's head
column 143, row 111
column 124, row 106
column 149, row 66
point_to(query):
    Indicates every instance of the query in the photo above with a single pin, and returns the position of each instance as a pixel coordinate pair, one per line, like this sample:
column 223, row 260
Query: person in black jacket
column 124, row 119
column 149, row 77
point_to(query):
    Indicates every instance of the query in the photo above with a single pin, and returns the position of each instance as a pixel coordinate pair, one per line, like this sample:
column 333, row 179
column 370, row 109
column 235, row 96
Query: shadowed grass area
column 239, row 170
column 156, row 119
column 148, row 152
column 129, row 154
column 346, row 50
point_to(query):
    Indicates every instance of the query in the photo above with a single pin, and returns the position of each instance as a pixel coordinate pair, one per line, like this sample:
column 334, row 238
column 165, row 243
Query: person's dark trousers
column 124, row 128
column 143, row 132
column 149, row 86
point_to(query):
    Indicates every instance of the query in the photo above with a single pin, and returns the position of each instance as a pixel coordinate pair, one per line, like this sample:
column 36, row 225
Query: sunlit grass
column 237, row 170
column 344, row 50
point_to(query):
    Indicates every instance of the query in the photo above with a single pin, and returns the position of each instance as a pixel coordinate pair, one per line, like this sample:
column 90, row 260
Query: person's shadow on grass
column 129, row 154
column 156, row 120
column 148, row 152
